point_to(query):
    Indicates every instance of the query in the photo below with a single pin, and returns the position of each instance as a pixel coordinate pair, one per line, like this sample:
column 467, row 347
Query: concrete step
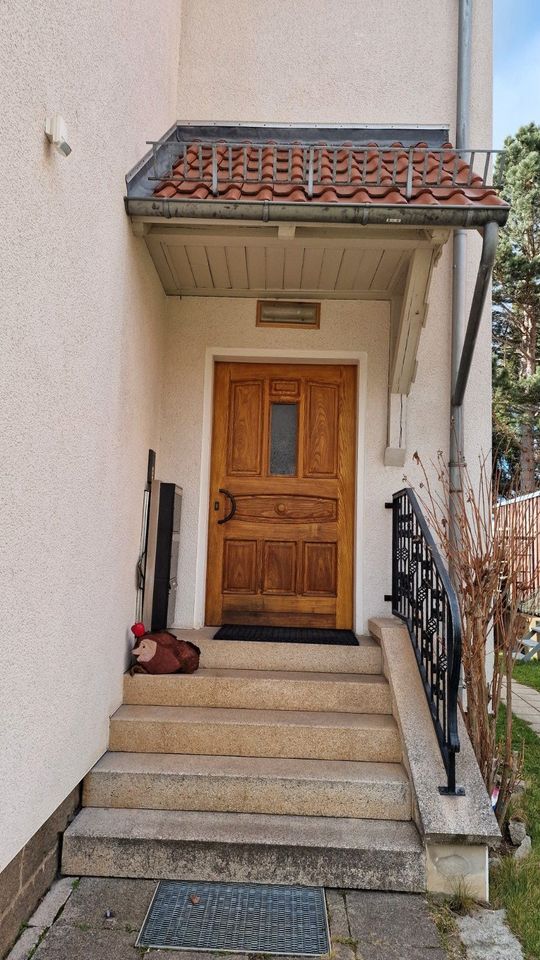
column 210, row 731
column 245, row 847
column 263, row 690
column 314, row 657
column 315, row 788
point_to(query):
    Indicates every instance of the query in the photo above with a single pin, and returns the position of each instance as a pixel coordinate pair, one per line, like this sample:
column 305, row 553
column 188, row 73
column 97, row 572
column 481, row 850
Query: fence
column 523, row 514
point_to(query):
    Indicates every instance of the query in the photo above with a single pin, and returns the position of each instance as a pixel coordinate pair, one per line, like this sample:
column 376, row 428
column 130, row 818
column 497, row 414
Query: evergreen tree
column 516, row 315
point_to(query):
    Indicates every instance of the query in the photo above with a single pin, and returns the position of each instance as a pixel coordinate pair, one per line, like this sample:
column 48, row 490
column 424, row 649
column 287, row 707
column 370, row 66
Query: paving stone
column 487, row 937
column 52, row 903
column 65, row 942
column 128, row 901
column 337, row 914
column 26, row 943
column 343, row 951
column 391, row 926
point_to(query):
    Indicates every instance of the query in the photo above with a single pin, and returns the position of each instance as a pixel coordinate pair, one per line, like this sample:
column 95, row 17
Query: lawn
column 528, row 673
column 515, row 885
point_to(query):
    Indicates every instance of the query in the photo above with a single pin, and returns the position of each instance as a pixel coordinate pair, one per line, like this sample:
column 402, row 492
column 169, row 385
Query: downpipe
column 481, row 289
column 457, row 432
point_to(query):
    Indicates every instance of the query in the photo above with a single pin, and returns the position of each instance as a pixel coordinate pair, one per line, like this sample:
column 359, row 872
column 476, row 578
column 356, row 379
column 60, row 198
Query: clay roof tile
column 342, row 173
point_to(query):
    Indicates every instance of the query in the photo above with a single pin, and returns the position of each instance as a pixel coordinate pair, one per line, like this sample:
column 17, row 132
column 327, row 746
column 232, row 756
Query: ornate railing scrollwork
column 424, row 598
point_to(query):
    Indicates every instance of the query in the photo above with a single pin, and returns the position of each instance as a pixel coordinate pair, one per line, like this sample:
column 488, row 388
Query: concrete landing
column 316, row 657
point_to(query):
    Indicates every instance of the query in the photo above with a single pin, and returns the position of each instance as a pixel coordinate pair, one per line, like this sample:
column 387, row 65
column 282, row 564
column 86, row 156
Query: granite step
column 320, row 788
column 263, row 690
column 311, row 657
column 210, row 731
column 245, row 847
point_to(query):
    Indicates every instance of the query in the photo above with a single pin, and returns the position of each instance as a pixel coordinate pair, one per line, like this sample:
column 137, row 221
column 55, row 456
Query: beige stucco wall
column 196, row 324
column 81, row 342
column 355, row 61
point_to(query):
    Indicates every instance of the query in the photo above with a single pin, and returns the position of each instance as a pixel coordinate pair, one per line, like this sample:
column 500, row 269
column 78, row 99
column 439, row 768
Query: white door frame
column 357, row 358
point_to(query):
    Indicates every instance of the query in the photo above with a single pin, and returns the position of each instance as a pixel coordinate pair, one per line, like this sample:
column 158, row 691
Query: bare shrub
column 485, row 552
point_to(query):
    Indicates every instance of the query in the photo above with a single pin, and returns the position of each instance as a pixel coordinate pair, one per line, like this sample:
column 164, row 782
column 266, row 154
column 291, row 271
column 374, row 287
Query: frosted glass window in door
column 283, row 439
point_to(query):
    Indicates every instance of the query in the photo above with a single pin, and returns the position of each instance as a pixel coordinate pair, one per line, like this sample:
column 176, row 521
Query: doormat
column 230, row 631
column 237, row 918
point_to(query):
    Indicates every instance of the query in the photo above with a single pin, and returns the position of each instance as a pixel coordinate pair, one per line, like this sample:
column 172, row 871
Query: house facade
column 267, row 303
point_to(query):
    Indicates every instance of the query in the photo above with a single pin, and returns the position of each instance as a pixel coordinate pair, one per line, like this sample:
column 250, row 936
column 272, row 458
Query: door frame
column 250, row 355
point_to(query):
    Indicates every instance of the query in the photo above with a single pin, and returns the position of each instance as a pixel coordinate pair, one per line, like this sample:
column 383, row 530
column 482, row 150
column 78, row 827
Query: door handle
column 232, row 510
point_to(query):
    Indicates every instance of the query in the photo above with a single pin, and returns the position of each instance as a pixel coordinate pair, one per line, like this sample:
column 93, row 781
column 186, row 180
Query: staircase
column 273, row 763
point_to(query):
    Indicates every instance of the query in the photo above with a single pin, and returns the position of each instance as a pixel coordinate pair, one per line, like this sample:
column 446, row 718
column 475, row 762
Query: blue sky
column 516, row 65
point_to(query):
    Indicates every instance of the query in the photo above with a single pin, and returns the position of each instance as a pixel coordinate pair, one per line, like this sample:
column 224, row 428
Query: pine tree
column 516, row 314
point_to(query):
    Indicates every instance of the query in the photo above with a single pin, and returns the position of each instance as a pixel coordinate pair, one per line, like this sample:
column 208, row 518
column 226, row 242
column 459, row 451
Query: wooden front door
column 281, row 532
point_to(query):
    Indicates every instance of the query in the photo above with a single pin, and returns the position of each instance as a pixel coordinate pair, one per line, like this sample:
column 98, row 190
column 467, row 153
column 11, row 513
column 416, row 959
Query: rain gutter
column 443, row 215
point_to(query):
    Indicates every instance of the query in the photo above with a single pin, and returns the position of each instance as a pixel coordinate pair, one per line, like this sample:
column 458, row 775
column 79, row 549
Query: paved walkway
column 101, row 919
column 526, row 704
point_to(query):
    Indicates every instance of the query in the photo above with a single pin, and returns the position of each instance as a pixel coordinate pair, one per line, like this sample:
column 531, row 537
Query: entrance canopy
column 310, row 213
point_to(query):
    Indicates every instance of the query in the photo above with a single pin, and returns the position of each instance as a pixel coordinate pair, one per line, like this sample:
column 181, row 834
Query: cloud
column 516, row 89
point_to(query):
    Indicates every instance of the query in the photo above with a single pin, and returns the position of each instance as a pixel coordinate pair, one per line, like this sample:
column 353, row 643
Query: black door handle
column 232, row 511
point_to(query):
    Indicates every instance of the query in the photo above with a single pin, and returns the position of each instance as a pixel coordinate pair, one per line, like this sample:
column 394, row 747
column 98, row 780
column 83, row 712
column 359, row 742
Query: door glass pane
column 283, row 439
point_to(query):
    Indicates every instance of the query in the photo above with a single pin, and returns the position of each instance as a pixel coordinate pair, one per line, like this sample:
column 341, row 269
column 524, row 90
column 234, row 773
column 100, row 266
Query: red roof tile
column 343, row 174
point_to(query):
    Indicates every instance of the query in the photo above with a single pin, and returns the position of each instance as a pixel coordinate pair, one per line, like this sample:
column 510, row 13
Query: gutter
column 429, row 215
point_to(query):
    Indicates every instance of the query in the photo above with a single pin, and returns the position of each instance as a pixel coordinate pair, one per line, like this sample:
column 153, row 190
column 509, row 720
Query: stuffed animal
column 162, row 652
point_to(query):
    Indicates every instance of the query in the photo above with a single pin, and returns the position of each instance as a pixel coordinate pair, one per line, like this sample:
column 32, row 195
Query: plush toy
column 162, row 652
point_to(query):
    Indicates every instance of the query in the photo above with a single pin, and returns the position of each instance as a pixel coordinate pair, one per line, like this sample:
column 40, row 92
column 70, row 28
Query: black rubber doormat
column 237, row 918
column 231, row 631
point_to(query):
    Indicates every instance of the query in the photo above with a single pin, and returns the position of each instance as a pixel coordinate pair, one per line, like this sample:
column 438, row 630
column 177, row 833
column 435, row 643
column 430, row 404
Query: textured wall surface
column 80, row 341
column 356, row 61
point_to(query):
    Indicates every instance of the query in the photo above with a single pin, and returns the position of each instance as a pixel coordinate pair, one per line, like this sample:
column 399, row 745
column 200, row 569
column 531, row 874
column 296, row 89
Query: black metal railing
column 424, row 598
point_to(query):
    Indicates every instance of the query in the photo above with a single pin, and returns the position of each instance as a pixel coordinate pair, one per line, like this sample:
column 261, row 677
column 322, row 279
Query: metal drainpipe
column 459, row 259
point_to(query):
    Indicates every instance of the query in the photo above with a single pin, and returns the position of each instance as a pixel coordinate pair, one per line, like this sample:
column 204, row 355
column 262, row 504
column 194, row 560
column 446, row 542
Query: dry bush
column 486, row 554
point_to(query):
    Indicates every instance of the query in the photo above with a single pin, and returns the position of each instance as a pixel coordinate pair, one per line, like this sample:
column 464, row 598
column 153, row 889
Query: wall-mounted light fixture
column 288, row 313
column 56, row 133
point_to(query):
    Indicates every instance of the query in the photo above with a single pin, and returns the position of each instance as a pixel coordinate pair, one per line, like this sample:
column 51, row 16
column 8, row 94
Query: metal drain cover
column 237, row 918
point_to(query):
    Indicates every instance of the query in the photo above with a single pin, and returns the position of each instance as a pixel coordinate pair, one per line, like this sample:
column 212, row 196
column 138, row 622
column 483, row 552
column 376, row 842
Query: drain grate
column 238, row 918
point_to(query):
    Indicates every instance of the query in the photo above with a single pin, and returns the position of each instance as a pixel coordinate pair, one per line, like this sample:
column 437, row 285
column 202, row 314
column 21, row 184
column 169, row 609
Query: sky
column 516, row 57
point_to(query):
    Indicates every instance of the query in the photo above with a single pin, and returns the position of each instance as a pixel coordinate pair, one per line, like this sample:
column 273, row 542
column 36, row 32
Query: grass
column 445, row 921
column 528, row 673
column 515, row 885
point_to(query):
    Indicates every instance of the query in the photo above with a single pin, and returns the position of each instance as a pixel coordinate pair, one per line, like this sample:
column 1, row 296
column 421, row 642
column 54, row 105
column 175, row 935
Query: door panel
column 279, row 567
column 240, row 566
column 321, row 435
column 245, row 431
column 283, row 445
column 320, row 569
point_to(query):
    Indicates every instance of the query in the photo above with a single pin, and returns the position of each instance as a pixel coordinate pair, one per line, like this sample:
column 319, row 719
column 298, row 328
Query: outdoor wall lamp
column 56, row 133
